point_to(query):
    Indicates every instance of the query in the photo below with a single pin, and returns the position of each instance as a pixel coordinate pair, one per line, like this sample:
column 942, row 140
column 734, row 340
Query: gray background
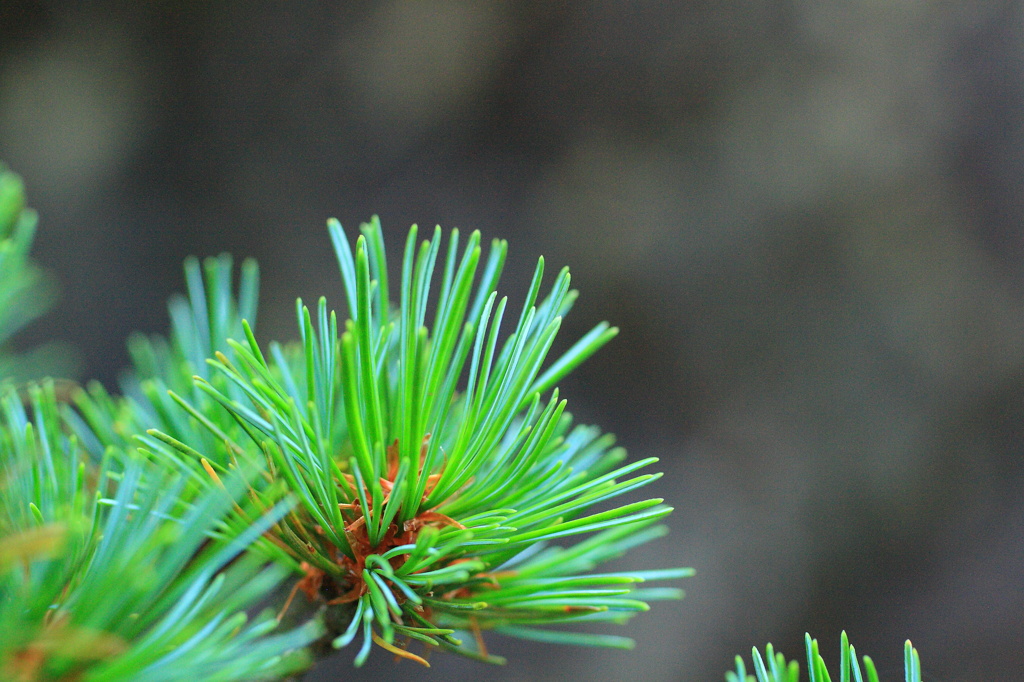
column 805, row 216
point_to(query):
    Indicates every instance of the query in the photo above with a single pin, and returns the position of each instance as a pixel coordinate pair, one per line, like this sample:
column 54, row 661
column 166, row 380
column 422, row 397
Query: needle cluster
column 435, row 469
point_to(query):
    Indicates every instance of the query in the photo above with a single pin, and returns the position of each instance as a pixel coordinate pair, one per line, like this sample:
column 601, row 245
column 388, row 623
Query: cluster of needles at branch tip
column 432, row 473
column 353, row 586
column 417, row 481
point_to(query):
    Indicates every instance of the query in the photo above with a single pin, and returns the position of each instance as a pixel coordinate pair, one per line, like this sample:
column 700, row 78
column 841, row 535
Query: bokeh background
column 806, row 217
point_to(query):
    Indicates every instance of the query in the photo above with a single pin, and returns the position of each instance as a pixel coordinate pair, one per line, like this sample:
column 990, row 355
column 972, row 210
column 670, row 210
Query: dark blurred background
column 805, row 216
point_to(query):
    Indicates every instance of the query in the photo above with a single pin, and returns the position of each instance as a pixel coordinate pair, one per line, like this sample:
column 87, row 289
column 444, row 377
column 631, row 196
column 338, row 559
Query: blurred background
column 806, row 217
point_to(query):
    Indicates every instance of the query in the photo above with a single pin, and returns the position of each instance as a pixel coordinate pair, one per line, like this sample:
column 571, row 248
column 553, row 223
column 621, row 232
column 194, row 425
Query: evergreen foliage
column 417, row 480
column 432, row 541
column 115, row 571
column 778, row 670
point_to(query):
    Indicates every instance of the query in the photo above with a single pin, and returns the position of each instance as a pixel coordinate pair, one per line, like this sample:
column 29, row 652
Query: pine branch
column 435, row 469
column 418, row 480
column 415, row 480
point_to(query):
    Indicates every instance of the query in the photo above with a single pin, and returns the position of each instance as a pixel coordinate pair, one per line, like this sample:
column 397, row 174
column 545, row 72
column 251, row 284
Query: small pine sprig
column 114, row 571
column 436, row 469
column 778, row 670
